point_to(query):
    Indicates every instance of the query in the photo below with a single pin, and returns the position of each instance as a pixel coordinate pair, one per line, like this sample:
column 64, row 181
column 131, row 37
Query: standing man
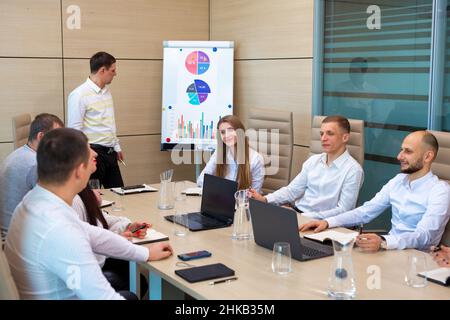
column 18, row 174
column 91, row 110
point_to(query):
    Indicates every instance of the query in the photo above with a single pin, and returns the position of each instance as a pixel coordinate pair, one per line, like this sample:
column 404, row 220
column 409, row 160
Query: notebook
column 138, row 189
column 440, row 276
column 207, row 272
column 151, row 236
column 329, row 235
column 197, row 191
column 106, row 203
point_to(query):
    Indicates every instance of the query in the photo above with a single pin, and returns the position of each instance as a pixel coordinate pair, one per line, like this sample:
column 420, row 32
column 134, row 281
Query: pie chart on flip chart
column 197, row 62
column 198, row 92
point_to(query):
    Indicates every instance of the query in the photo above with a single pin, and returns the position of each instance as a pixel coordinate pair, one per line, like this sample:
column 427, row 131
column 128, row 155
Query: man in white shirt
column 18, row 174
column 329, row 183
column 419, row 201
column 49, row 249
column 91, row 110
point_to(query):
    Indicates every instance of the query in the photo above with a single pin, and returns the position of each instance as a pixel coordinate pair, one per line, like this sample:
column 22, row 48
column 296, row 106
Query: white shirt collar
column 95, row 87
column 417, row 182
column 338, row 162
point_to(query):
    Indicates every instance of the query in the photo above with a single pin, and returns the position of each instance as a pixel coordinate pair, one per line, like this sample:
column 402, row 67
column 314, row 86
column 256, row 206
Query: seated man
column 329, row 183
column 419, row 201
column 18, row 174
column 51, row 252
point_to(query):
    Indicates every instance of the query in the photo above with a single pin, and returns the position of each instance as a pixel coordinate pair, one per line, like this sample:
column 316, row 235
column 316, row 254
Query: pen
column 123, row 162
column 361, row 228
column 222, row 281
column 139, row 228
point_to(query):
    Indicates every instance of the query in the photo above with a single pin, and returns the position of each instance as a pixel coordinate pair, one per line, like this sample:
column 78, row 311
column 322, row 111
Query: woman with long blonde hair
column 233, row 158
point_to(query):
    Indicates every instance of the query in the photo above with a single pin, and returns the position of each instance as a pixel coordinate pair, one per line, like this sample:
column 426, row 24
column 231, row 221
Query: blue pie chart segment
column 198, row 92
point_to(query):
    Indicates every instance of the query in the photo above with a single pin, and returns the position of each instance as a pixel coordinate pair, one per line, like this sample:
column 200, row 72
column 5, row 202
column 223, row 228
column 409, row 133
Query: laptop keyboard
column 313, row 249
column 206, row 221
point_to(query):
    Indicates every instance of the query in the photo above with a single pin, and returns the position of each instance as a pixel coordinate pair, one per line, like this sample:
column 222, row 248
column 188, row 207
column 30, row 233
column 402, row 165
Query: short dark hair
column 59, row 153
column 342, row 122
column 101, row 59
column 43, row 122
column 430, row 141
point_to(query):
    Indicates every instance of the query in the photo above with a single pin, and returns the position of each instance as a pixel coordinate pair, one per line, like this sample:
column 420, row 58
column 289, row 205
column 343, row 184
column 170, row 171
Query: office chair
column 441, row 168
column 269, row 120
column 8, row 289
column 21, row 129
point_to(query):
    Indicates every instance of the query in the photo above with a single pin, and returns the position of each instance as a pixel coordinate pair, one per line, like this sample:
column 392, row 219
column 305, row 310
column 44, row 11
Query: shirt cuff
column 391, row 242
column 310, row 214
column 270, row 198
column 142, row 253
column 332, row 223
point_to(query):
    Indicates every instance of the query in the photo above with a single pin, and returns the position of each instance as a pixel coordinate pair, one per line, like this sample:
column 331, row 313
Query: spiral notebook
column 151, row 236
column 440, row 276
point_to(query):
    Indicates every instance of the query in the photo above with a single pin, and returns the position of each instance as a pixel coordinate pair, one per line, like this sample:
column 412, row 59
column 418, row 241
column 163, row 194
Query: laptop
column 277, row 224
column 217, row 208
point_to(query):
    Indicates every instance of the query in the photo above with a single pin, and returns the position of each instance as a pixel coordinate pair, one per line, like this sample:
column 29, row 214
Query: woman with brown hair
column 233, row 158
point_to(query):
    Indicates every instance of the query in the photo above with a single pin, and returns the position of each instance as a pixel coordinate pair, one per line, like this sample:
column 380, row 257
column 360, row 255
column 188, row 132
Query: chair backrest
column 269, row 120
column 355, row 144
column 21, row 129
column 8, row 289
column 441, row 168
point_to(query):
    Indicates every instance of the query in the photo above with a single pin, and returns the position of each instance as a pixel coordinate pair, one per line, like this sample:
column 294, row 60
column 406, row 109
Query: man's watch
column 383, row 244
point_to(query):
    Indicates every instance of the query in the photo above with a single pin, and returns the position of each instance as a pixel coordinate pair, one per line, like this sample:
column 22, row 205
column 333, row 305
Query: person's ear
column 428, row 156
column 346, row 137
column 40, row 135
column 78, row 171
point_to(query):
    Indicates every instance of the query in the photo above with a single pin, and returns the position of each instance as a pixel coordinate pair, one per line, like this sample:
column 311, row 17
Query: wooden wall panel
column 136, row 90
column 264, row 28
column 145, row 161
column 29, row 85
column 136, row 28
column 30, row 28
column 276, row 84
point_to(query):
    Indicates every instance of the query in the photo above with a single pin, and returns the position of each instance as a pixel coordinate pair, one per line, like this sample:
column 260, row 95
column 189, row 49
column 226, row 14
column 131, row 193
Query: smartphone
column 194, row 255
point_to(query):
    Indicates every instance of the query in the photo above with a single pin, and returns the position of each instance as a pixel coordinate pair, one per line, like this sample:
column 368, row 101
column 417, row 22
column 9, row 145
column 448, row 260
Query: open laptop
column 277, row 224
column 217, row 209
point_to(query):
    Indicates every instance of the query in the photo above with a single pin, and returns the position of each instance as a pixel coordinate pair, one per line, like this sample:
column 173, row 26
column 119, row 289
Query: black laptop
column 217, row 209
column 277, row 224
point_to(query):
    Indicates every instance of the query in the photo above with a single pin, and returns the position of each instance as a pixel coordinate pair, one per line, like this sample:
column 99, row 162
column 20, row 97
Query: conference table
column 377, row 275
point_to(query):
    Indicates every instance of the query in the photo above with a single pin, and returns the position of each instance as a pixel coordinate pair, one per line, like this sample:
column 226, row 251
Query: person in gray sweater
column 18, row 174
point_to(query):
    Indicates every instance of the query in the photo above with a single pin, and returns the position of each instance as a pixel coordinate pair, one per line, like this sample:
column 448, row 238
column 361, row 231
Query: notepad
column 440, row 276
column 106, row 203
column 329, row 235
column 151, row 236
column 145, row 188
column 196, row 191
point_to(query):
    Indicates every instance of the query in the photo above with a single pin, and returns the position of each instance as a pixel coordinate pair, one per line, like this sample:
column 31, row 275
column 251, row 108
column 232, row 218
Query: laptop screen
column 218, row 197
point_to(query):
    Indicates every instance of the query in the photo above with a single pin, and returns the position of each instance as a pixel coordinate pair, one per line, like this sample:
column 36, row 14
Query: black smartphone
column 194, row 255
column 138, row 186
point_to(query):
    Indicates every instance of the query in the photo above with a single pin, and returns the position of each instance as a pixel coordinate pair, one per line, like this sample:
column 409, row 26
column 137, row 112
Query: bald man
column 419, row 201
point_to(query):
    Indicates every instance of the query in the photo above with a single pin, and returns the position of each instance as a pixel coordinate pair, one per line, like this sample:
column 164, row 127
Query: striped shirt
column 91, row 110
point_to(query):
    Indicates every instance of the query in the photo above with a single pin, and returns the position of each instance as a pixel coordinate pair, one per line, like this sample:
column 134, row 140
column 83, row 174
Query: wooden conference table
column 252, row 264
